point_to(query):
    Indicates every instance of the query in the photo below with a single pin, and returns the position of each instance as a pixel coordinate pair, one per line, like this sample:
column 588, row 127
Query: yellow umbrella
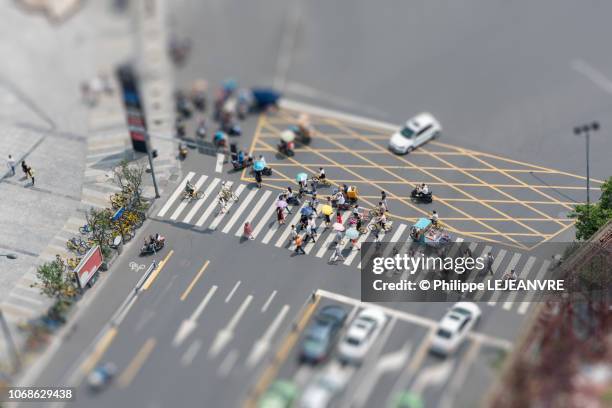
column 327, row 210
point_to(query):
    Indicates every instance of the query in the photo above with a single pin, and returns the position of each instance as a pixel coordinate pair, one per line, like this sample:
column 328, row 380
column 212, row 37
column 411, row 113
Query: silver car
column 417, row 131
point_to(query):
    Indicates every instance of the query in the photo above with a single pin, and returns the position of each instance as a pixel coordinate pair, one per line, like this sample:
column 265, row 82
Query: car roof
column 452, row 321
column 333, row 311
column 372, row 313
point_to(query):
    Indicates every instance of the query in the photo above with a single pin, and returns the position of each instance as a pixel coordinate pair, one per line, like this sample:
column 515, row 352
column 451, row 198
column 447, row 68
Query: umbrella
column 229, row 85
column 265, row 96
column 307, row 210
column 338, row 227
column 287, row 136
column 281, row 203
column 351, row 233
column 301, row 177
column 258, row 165
column 327, row 209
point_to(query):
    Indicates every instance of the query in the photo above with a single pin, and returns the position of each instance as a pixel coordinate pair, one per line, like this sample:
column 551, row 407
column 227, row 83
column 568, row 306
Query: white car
column 454, row 327
column 360, row 335
column 320, row 392
column 418, row 130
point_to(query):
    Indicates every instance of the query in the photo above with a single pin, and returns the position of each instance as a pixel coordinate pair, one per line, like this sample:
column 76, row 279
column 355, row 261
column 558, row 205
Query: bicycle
column 375, row 212
column 75, row 245
column 72, row 263
column 376, row 226
column 195, row 195
column 85, row 229
column 321, row 181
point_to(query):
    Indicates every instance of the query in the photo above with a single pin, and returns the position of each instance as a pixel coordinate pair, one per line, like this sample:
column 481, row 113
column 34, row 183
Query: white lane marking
column 523, row 275
column 228, row 363
column 271, row 231
column 360, row 241
column 243, row 206
column 432, row 375
column 294, row 220
column 498, row 260
column 226, row 334
column 201, row 201
column 455, row 247
column 188, row 325
column 511, row 265
column 459, row 376
column 184, row 203
column 219, row 164
column 175, row 195
column 381, row 237
column 191, row 352
column 231, row 294
column 267, row 304
column 211, row 206
column 524, row 305
column 593, row 74
column 261, row 346
column 264, row 220
column 330, row 236
column 213, row 225
column 318, row 111
column 254, row 211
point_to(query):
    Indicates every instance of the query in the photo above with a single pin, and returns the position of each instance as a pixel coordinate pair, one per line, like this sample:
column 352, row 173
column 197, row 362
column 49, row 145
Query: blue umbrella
column 307, row 211
column 265, row 96
column 351, row 233
column 258, row 165
column 301, row 177
column 229, row 85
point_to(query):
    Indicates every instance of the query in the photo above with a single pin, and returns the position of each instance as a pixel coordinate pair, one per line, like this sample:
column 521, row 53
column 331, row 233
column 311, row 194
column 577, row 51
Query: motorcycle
column 182, row 151
column 286, row 149
column 420, row 197
column 101, row 377
column 153, row 247
column 237, row 165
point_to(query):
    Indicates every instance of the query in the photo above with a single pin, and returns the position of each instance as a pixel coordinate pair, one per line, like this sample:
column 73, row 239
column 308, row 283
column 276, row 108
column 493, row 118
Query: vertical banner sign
column 133, row 106
column 88, row 266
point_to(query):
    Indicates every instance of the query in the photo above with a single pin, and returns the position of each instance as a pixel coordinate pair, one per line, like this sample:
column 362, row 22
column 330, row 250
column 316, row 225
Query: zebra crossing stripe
column 455, row 247
column 264, row 220
column 360, row 241
column 296, row 217
column 240, row 210
column 498, row 260
column 175, row 195
column 212, row 205
column 524, row 273
column 184, row 203
column 511, row 265
column 486, row 250
column 311, row 244
column 381, row 236
column 524, row 305
column 255, row 210
column 201, row 201
column 213, row 225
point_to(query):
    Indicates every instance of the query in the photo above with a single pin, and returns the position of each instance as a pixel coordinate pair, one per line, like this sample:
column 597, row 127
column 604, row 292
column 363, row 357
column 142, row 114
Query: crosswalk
column 258, row 207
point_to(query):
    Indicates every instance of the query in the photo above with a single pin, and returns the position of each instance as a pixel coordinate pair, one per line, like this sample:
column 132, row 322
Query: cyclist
column 510, row 275
column 424, row 189
column 190, row 189
column 225, row 196
column 321, row 174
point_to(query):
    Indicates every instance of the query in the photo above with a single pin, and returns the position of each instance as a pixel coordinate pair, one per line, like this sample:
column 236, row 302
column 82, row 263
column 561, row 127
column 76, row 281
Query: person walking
column 24, row 168
column 337, row 254
column 248, row 231
column 292, row 233
column 258, row 178
column 313, row 227
column 338, row 238
column 489, row 263
column 298, row 245
column 280, row 215
column 30, row 173
column 383, row 199
column 339, row 218
column 10, row 163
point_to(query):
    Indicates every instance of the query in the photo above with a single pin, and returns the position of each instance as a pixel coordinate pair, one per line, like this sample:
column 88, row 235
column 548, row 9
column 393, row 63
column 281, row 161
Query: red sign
column 88, row 266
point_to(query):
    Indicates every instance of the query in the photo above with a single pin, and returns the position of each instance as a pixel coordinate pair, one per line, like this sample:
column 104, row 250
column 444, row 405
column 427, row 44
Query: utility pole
column 586, row 131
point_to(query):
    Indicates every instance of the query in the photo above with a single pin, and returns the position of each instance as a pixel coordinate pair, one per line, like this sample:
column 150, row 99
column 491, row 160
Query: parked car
column 322, row 390
column 361, row 334
column 417, row 131
column 321, row 334
column 281, row 394
column 407, row 399
column 454, row 327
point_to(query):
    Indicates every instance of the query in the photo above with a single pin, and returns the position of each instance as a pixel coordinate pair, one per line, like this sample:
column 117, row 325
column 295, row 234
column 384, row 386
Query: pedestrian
column 298, row 245
column 313, row 227
column 434, row 218
column 24, row 168
column 338, row 238
column 354, row 244
column 314, row 203
column 11, row 164
column 489, row 263
column 280, row 215
column 258, row 178
column 339, row 218
column 327, row 219
column 337, row 254
column 383, row 199
column 248, row 231
column 376, row 232
column 30, row 173
column 292, row 233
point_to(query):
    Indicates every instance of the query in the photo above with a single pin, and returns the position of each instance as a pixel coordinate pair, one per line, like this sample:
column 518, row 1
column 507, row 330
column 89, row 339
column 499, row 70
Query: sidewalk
column 73, row 167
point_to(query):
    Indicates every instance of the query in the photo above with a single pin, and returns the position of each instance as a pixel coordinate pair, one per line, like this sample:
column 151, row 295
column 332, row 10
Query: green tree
column 53, row 282
column 589, row 218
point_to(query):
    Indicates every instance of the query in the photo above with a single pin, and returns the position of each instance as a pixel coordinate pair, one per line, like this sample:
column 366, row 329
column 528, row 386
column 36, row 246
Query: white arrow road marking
column 228, row 363
column 262, row 345
column 226, row 334
column 187, row 326
column 191, row 352
column 267, row 304
column 459, row 376
column 433, row 375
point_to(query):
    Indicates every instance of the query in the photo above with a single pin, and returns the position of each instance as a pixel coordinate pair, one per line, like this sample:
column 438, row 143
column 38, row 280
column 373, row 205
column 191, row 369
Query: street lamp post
column 586, row 131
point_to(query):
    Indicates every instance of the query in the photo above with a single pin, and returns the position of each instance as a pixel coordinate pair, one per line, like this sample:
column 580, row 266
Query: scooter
column 286, row 149
column 153, row 247
column 241, row 165
column 101, row 377
column 420, row 197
